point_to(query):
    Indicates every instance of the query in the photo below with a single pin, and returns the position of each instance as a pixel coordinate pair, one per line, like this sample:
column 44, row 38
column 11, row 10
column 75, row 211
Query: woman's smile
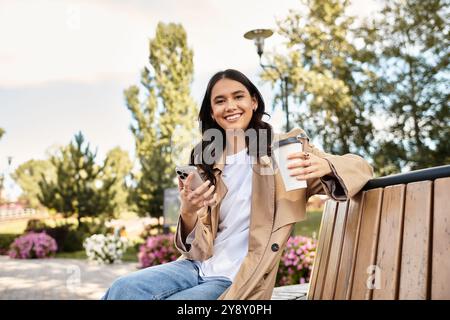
column 233, row 117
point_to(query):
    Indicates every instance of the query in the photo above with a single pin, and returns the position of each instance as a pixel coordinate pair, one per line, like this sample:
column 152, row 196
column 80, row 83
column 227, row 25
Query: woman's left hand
column 306, row 165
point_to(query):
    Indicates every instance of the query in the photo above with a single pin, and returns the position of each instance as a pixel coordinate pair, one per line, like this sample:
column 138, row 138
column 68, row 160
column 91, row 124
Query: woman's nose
column 230, row 105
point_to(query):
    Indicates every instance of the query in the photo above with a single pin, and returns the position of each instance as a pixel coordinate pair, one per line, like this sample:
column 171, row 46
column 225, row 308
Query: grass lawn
column 13, row 227
column 72, row 255
column 9, row 230
column 311, row 225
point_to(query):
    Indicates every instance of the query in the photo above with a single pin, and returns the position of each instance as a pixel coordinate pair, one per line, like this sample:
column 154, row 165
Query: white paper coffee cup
column 281, row 150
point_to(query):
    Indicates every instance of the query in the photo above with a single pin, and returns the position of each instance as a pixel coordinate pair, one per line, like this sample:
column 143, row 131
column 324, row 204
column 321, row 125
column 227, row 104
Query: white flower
column 105, row 249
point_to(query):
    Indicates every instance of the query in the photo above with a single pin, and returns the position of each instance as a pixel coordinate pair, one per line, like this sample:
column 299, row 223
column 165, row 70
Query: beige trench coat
column 274, row 213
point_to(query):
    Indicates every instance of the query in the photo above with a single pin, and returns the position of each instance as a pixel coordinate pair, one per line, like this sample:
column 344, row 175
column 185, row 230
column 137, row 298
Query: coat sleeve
column 198, row 245
column 350, row 172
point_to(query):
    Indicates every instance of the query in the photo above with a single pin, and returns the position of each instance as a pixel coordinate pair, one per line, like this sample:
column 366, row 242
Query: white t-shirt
column 231, row 242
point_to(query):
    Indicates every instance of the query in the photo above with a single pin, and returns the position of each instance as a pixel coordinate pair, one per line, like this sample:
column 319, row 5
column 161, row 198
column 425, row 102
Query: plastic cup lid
column 289, row 140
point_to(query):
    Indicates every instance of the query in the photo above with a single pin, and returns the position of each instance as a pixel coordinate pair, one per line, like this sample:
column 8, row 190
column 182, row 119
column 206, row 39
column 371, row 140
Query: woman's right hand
column 194, row 200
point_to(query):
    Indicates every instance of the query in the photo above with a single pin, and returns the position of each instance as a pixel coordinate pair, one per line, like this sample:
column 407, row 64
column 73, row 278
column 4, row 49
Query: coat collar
column 263, row 184
column 261, row 220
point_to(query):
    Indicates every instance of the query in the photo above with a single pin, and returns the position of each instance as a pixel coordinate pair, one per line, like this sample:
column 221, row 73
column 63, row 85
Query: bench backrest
column 391, row 241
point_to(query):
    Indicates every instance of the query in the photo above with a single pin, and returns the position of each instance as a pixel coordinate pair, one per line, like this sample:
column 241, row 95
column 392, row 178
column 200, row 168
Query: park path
column 57, row 279
column 71, row 279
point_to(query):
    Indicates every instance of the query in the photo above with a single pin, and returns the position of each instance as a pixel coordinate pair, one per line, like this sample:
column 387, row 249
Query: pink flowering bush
column 157, row 250
column 33, row 245
column 296, row 261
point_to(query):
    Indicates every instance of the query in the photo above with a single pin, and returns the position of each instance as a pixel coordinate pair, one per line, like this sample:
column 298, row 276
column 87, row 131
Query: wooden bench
column 391, row 241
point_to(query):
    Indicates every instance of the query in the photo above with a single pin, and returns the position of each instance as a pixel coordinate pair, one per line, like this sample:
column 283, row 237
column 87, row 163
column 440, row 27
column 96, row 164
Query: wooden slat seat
column 391, row 241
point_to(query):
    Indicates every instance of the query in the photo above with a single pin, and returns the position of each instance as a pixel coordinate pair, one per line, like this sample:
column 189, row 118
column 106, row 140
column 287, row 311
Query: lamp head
column 258, row 36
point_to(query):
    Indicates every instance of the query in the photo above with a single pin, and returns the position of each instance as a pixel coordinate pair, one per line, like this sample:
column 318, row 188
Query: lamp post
column 258, row 36
column 9, row 174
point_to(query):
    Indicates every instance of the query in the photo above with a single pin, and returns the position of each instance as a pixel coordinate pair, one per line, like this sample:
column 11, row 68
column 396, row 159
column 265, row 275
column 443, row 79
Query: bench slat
column 367, row 243
column 349, row 246
column 390, row 241
column 440, row 279
column 416, row 241
column 323, row 250
column 316, row 263
column 335, row 251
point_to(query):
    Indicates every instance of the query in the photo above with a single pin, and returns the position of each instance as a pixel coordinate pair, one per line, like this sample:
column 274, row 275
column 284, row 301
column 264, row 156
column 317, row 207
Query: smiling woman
column 233, row 106
column 232, row 229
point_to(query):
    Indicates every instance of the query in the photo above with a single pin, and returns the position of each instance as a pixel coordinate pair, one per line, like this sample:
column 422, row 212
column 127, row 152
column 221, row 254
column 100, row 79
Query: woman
column 233, row 228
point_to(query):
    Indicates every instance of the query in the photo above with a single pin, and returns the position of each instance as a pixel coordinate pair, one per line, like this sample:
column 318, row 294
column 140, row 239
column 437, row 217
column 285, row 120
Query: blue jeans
column 176, row 280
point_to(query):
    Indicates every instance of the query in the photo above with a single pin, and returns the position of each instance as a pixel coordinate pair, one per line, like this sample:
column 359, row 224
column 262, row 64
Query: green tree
column 80, row 187
column 327, row 73
column 28, row 175
column 118, row 167
column 164, row 119
column 412, row 89
column 2, row 177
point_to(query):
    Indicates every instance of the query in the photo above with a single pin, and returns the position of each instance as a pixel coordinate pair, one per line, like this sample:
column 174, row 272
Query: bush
column 296, row 261
column 157, row 250
column 33, row 245
column 105, row 249
column 68, row 235
column 60, row 233
column 6, row 240
column 73, row 240
column 35, row 224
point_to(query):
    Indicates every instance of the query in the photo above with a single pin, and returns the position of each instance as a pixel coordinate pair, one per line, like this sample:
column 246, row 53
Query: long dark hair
column 206, row 123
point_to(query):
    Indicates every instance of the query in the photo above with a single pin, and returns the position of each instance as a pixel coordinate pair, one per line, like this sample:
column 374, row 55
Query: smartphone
column 184, row 171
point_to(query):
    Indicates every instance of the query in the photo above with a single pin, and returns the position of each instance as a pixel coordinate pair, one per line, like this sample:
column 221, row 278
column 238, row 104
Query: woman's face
column 231, row 103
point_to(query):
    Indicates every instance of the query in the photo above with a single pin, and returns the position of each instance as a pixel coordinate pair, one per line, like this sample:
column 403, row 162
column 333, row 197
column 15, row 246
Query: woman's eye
column 219, row 101
column 239, row 97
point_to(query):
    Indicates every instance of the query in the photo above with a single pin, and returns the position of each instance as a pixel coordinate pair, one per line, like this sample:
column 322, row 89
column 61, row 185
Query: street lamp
column 258, row 36
column 9, row 158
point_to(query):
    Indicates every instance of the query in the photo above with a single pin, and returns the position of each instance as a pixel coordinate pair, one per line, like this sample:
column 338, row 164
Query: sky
column 64, row 64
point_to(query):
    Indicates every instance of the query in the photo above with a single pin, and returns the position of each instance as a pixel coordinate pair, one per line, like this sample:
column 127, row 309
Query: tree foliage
column 327, row 75
column 377, row 87
column 28, row 175
column 81, row 186
column 164, row 118
column 118, row 168
column 412, row 88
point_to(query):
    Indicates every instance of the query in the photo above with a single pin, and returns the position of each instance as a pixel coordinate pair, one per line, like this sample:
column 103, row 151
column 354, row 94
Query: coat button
column 275, row 247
